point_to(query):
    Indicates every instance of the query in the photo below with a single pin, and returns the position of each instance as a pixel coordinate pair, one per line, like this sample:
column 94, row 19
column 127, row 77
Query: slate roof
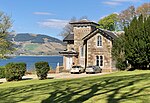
column 84, row 21
column 69, row 37
column 105, row 33
column 110, row 33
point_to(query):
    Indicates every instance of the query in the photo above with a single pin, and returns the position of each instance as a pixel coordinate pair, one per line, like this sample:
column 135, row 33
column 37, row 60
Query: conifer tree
column 135, row 46
column 137, row 42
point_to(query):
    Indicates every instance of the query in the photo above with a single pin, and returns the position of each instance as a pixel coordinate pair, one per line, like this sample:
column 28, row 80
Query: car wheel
column 87, row 73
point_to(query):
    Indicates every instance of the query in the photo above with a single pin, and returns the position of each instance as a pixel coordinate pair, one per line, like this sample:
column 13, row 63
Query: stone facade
column 105, row 50
column 85, row 44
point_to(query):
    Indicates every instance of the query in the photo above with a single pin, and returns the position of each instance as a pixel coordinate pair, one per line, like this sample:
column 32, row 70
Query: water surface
column 31, row 60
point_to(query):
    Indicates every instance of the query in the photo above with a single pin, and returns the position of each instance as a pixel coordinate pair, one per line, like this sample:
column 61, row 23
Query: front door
column 68, row 63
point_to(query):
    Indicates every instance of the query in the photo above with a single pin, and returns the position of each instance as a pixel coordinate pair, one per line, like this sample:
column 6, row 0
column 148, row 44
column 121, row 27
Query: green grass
column 31, row 46
column 119, row 87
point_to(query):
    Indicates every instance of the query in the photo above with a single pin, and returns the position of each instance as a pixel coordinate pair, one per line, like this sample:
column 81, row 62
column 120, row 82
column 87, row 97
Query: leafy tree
column 143, row 9
column 5, row 25
column 109, row 22
column 69, row 28
column 126, row 16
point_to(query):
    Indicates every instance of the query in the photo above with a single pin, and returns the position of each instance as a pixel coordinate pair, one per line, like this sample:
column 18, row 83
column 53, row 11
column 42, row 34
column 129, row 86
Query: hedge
column 42, row 69
column 15, row 71
column 2, row 72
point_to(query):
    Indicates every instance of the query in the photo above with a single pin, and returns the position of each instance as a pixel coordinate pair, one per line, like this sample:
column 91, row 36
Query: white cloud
column 108, row 14
column 43, row 13
column 103, row 16
column 53, row 23
column 118, row 2
column 112, row 3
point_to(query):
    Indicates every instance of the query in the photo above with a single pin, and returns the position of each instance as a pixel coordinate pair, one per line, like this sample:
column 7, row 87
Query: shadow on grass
column 97, row 87
column 112, row 89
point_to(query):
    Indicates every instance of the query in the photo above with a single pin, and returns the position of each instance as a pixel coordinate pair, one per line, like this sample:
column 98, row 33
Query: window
column 99, row 40
column 82, row 51
column 99, row 60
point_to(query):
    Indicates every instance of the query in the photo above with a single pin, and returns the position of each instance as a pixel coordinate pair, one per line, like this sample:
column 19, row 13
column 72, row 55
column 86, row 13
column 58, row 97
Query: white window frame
column 100, row 60
column 99, row 40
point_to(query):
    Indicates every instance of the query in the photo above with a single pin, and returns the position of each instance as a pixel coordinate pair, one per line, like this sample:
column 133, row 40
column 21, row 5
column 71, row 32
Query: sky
column 50, row 16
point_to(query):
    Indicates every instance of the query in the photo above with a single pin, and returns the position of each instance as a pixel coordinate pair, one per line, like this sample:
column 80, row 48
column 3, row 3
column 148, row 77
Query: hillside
column 36, row 44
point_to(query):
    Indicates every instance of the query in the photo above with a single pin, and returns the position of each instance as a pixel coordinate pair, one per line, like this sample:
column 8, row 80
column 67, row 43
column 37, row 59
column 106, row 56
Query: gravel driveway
column 59, row 76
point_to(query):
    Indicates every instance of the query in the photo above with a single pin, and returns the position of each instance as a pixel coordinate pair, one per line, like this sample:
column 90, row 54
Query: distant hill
column 36, row 44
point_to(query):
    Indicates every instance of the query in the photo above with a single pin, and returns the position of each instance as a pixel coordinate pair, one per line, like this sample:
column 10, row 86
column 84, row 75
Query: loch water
column 31, row 60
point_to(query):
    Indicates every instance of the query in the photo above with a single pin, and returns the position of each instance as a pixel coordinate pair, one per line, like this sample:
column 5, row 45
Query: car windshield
column 90, row 66
column 76, row 67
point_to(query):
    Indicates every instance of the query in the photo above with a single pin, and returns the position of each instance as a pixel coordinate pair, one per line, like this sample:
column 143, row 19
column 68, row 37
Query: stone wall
column 105, row 51
column 79, row 33
column 70, row 47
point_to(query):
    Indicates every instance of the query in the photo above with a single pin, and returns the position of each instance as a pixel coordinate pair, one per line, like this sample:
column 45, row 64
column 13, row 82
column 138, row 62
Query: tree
column 143, row 9
column 137, row 49
column 126, row 16
column 109, row 22
column 135, row 43
column 69, row 28
column 5, row 25
column 118, row 52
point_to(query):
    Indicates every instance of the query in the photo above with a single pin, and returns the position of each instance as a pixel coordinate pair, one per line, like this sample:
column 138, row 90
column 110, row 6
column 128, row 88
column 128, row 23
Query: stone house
column 88, row 45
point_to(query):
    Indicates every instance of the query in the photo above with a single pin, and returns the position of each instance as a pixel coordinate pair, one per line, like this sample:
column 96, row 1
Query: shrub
column 15, row 71
column 42, row 69
column 121, row 65
column 2, row 72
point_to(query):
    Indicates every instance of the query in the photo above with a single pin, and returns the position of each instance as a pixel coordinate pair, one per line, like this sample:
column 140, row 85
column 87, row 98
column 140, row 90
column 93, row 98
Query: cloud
column 112, row 3
column 102, row 17
column 53, row 23
column 42, row 13
column 118, row 2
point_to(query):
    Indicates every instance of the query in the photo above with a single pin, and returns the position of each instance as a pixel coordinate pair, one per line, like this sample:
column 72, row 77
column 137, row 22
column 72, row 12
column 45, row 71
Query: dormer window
column 99, row 41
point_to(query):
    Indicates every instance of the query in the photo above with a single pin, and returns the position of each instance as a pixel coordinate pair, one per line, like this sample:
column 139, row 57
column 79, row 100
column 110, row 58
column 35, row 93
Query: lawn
column 119, row 87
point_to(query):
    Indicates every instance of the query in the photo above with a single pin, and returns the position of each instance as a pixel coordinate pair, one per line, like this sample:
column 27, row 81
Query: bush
column 121, row 65
column 15, row 71
column 2, row 72
column 42, row 69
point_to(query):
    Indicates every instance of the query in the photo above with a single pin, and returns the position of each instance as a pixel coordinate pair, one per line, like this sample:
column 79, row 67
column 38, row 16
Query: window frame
column 99, row 41
column 100, row 60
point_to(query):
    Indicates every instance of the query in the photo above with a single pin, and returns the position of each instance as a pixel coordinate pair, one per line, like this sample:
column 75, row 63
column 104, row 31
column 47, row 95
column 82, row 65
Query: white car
column 76, row 69
column 93, row 69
